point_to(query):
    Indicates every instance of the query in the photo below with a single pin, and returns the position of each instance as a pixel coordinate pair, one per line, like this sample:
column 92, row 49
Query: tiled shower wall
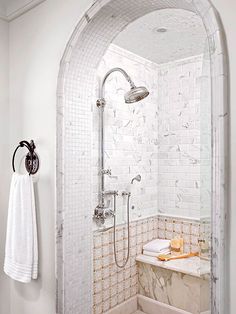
column 75, row 85
column 179, row 137
column 158, row 137
column 112, row 285
column 131, row 134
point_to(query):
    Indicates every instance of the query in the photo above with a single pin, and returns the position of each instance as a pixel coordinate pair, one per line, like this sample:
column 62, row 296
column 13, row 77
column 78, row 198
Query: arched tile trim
column 95, row 31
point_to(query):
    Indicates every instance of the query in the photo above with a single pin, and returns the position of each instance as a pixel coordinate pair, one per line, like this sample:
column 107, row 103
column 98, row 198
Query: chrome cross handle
column 101, row 214
column 106, row 171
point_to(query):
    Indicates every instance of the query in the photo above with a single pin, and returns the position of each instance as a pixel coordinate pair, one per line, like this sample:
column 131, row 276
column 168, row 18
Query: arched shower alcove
column 76, row 83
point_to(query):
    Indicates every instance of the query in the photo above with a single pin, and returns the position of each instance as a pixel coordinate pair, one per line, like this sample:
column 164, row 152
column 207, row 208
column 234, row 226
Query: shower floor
column 148, row 306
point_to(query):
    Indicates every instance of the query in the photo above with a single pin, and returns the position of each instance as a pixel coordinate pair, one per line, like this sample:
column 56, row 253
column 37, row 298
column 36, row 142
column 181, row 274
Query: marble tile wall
column 206, row 136
column 182, row 291
column 112, row 285
column 179, row 159
column 158, row 137
column 90, row 39
column 131, row 134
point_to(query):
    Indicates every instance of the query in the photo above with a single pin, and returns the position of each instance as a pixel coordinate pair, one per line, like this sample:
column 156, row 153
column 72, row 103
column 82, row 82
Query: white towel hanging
column 21, row 251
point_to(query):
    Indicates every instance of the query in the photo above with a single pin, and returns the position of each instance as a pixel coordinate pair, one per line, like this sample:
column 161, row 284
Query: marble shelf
column 193, row 266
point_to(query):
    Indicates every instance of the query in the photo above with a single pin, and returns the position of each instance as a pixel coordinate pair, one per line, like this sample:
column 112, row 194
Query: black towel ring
column 31, row 159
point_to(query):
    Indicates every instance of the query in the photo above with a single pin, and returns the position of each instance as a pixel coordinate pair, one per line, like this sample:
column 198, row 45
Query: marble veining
column 131, row 135
column 180, row 137
column 178, row 289
column 158, row 138
column 193, row 266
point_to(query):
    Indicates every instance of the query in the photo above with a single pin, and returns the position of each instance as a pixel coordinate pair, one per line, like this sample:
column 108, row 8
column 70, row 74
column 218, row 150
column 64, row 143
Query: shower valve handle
column 102, row 213
column 106, row 171
column 108, row 213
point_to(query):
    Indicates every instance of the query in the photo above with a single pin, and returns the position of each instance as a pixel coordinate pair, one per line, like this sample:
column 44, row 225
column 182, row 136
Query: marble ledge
column 193, row 266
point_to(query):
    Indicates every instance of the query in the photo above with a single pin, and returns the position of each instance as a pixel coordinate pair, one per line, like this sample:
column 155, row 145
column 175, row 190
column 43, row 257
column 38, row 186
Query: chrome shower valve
column 102, row 213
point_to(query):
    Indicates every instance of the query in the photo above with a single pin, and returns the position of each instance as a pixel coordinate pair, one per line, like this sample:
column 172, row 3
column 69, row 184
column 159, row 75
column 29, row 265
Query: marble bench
column 183, row 284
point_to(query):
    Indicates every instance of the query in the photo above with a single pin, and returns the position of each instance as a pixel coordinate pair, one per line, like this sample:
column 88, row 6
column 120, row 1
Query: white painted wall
column 37, row 41
column 4, row 161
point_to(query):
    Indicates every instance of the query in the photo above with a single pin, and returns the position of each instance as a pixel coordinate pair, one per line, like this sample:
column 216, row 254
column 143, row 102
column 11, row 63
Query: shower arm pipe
column 125, row 74
column 101, row 104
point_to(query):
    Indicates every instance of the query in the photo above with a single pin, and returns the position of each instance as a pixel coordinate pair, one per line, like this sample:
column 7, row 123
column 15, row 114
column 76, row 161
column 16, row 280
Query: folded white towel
column 21, row 251
column 157, row 245
column 155, row 254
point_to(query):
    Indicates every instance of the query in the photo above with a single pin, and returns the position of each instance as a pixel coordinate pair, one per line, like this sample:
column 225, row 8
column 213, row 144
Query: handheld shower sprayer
column 137, row 178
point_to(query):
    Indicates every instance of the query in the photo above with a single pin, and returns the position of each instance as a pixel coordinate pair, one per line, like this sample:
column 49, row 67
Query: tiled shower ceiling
column 184, row 37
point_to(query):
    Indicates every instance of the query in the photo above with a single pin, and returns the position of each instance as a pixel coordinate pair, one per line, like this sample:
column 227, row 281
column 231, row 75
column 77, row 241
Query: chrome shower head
column 137, row 178
column 136, row 94
column 133, row 95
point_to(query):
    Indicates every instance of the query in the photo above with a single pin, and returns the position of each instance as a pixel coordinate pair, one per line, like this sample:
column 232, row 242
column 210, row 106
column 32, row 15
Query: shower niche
column 141, row 157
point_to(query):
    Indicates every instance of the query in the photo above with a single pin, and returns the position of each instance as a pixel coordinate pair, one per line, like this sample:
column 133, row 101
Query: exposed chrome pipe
column 135, row 94
column 101, row 102
column 125, row 74
column 101, row 213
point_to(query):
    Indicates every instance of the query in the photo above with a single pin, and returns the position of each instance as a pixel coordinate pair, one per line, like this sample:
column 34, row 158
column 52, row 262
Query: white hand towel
column 155, row 254
column 157, row 245
column 21, row 251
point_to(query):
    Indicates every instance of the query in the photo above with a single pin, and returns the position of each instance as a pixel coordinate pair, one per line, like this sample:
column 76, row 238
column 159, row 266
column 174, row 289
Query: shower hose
column 114, row 233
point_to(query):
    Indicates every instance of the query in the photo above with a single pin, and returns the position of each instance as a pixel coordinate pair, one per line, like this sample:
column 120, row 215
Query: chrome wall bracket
column 101, row 103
